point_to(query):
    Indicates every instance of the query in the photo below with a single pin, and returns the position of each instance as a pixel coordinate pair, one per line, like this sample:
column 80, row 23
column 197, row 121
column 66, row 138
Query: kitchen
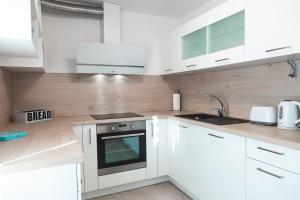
column 149, row 100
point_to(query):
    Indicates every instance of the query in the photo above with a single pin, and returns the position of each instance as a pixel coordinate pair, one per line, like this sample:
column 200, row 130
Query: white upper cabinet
column 21, row 35
column 169, row 48
column 272, row 28
column 212, row 39
column 238, row 32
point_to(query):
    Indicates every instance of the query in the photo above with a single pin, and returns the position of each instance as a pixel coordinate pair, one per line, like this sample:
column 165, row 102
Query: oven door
column 121, row 151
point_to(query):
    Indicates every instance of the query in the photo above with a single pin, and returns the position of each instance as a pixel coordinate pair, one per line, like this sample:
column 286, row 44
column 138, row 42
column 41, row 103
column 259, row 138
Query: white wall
column 62, row 35
column 142, row 29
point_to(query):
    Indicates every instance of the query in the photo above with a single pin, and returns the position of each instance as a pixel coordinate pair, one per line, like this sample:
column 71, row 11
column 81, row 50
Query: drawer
column 282, row 157
column 121, row 178
column 265, row 182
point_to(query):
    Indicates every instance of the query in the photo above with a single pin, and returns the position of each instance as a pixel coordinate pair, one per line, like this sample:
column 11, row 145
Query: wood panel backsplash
column 240, row 88
column 5, row 96
column 73, row 94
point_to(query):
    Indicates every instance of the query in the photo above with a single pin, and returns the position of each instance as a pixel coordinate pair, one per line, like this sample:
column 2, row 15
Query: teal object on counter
column 14, row 135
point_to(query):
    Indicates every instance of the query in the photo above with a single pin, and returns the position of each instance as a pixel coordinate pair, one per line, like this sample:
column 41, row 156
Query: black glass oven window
column 122, row 149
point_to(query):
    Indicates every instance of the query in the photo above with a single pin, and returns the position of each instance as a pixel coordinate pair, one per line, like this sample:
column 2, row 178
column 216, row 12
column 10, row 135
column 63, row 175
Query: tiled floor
column 163, row 191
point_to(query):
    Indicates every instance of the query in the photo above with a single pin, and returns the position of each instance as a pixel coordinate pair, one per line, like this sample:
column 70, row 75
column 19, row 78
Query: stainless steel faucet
column 221, row 110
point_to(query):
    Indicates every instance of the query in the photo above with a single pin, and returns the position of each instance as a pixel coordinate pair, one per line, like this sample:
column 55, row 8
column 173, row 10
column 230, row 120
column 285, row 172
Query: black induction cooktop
column 115, row 115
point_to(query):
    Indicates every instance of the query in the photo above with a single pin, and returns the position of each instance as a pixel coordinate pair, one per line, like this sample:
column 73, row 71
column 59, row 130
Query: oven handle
column 122, row 136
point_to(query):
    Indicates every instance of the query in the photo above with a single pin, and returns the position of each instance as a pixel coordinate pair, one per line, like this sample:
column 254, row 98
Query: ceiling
column 167, row 8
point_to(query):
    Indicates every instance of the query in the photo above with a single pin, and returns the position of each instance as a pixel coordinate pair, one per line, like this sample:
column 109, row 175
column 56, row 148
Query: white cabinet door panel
column 90, row 158
column 266, row 182
column 162, row 148
column 78, row 133
column 151, row 138
column 221, row 166
column 272, row 28
column 59, row 183
column 179, row 131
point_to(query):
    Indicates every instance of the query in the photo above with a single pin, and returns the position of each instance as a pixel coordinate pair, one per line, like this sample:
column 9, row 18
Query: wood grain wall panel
column 5, row 96
column 72, row 94
column 239, row 88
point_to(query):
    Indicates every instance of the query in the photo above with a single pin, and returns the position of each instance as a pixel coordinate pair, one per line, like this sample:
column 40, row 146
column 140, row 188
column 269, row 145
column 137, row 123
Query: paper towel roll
column 176, row 102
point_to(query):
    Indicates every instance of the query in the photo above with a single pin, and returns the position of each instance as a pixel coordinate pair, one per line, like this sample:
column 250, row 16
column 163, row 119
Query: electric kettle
column 289, row 115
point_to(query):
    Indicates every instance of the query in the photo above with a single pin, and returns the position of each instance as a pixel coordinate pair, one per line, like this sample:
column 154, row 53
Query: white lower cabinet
column 220, row 165
column 208, row 164
column 89, row 140
column 157, row 147
column 59, row 183
column 78, row 133
column 266, row 182
column 182, row 155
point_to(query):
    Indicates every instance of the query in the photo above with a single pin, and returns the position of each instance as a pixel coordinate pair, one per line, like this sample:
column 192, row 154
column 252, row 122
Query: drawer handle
column 90, row 136
column 152, row 129
column 168, row 70
column 191, row 66
column 270, row 173
column 270, row 151
column 224, row 59
column 216, row 136
column 182, row 126
column 277, row 49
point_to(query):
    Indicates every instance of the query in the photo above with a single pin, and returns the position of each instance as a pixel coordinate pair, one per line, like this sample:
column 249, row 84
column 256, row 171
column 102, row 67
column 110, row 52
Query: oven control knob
column 132, row 126
column 113, row 128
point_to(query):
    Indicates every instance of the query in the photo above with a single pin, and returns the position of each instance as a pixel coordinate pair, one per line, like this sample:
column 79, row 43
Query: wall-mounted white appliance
column 289, row 115
column 110, row 59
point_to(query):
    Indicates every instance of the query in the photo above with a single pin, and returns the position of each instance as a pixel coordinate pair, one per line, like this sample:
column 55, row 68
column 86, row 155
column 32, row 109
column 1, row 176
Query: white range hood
column 110, row 59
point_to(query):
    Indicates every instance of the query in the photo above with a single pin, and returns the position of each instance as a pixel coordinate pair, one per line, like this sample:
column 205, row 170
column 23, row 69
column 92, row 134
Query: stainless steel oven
column 121, row 147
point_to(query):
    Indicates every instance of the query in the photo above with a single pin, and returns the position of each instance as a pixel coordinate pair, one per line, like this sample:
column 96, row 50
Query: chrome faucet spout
column 221, row 110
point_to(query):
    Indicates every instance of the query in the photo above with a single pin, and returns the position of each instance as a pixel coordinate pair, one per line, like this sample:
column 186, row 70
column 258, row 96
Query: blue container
column 14, row 135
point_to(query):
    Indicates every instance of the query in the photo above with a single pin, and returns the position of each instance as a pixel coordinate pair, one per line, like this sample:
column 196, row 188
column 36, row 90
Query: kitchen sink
column 213, row 119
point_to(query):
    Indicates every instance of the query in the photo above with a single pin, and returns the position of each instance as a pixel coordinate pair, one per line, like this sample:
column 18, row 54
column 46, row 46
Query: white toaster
column 263, row 115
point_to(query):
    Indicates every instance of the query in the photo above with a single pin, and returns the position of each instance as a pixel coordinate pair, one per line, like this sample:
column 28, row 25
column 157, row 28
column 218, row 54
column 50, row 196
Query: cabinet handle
column 220, row 60
column 216, row 136
column 182, row 126
column 122, row 136
column 190, row 66
column 277, row 49
column 270, row 173
column 270, row 151
column 90, row 136
column 168, row 70
column 152, row 129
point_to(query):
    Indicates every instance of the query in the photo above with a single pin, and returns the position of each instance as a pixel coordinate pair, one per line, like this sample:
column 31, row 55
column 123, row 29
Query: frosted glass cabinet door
column 227, row 33
column 194, row 44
